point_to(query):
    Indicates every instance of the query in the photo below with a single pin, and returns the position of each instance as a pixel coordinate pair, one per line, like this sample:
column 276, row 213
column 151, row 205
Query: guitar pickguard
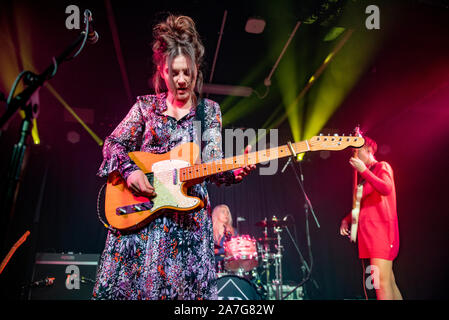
column 168, row 187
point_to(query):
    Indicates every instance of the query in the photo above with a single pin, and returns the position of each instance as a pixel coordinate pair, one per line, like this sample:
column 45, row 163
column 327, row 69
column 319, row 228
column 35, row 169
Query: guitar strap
column 200, row 114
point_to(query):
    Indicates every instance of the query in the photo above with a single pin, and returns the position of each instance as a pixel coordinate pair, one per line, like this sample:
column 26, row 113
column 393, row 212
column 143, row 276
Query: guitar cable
column 107, row 226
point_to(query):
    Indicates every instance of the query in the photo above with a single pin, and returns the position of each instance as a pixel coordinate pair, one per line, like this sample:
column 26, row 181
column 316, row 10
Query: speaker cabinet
column 63, row 276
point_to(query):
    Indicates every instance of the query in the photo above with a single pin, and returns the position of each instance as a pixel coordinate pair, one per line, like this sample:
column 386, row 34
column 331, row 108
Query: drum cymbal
column 272, row 223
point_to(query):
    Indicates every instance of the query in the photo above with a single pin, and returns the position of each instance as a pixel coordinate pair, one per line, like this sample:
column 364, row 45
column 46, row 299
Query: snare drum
column 240, row 253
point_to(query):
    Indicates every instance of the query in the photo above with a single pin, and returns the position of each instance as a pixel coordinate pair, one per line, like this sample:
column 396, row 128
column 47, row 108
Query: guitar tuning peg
column 321, row 134
column 335, row 134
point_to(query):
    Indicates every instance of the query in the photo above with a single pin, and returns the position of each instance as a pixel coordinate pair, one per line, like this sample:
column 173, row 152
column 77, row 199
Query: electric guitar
column 357, row 192
column 172, row 173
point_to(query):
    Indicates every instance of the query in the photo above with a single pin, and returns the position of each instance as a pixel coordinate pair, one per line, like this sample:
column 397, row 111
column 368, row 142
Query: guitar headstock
column 335, row 142
column 357, row 133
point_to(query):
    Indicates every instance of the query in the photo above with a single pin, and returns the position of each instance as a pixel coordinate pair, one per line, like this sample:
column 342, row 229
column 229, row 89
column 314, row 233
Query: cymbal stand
column 278, row 263
column 266, row 258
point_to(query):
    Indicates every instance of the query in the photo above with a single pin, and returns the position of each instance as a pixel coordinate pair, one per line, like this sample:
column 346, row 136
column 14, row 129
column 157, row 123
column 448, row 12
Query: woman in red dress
column 378, row 233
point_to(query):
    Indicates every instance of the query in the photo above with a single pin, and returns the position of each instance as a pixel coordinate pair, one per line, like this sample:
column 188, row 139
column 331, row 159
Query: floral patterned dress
column 172, row 257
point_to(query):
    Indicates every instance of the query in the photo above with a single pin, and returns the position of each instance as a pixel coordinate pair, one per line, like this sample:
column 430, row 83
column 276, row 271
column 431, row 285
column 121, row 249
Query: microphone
column 92, row 35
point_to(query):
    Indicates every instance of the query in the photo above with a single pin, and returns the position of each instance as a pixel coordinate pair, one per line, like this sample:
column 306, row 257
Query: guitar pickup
column 133, row 208
column 175, row 176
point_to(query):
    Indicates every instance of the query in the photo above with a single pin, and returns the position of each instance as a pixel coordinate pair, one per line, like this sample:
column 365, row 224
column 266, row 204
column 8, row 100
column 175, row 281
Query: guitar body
column 126, row 211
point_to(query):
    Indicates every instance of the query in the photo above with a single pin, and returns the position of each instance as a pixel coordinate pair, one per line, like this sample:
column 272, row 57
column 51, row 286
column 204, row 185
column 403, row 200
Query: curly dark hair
column 175, row 36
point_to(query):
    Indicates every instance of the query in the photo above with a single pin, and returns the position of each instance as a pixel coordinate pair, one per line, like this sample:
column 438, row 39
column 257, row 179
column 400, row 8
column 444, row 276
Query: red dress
column 378, row 232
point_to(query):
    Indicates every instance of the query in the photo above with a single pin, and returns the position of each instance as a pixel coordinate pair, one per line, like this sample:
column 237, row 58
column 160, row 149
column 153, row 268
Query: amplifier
column 63, row 276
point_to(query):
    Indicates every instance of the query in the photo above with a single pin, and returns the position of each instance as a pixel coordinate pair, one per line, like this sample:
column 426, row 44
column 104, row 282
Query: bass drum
column 232, row 287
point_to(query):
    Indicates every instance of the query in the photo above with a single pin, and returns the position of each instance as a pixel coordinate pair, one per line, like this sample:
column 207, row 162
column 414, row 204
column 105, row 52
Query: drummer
column 223, row 231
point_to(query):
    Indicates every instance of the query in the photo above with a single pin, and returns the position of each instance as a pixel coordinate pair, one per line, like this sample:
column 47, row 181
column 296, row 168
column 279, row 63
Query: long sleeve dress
column 173, row 256
column 378, row 232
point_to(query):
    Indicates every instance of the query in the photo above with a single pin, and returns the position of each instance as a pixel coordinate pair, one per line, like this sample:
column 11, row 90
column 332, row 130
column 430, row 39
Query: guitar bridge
column 134, row 208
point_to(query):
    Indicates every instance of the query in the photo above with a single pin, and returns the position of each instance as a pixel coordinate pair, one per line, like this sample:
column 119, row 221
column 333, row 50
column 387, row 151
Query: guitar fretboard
column 227, row 164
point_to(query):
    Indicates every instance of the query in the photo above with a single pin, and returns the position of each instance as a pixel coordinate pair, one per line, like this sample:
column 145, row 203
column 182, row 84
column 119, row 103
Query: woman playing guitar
column 378, row 234
column 172, row 256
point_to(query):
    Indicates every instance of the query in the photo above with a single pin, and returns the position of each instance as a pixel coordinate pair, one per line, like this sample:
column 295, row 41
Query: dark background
column 400, row 100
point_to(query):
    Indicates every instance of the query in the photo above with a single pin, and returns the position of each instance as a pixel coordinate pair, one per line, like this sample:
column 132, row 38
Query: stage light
column 329, row 57
column 73, row 137
column 342, row 72
column 310, row 99
column 255, row 25
column 334, row 33
column 35, row 133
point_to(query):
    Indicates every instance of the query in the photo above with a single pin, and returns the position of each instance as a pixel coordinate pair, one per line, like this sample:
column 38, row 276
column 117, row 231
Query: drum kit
column 244, row 270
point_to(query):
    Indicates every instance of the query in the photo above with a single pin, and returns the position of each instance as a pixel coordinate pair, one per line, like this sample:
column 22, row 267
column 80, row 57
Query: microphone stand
column 307, row 206
column 28, row 101
column 293, row 156
column 305, row 265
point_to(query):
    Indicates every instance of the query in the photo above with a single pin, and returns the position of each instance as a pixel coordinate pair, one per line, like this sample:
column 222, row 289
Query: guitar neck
column 354, row 174
column 207, row 169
